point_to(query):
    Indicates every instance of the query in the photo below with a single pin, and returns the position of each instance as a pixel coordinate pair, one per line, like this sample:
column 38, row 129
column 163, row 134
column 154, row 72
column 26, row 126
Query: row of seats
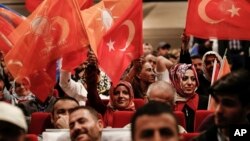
column 41, row 120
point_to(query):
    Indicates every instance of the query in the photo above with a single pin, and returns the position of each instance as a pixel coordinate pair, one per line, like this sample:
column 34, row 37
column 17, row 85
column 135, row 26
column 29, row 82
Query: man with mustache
column 85, row 124
column 231, row 93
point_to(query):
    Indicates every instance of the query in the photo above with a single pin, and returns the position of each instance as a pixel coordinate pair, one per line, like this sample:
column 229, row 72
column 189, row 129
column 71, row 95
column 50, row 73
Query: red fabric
column 191, row 103
column 188, row 136
column 216, row 69
column 212, row 18
column 53, row 29
column 31, row 5
column 31, row 137
column 14, row 18
column 122, row 118
column 5, row 29
column 39, row 122
column 126, row 37
column 200, row 115
column 180, row 118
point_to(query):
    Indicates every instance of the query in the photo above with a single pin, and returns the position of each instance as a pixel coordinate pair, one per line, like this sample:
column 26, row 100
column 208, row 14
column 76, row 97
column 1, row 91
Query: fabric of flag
column 31, row 5
column 11, row 16
column 223, row 70
column 5, row 29
column 223, row 19
column 122, row 43
column 99, row 18
column 52, row 30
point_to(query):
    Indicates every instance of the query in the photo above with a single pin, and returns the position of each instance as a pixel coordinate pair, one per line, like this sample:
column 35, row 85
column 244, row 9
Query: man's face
column 162, row 52
column 228, row 111
column 197, row 62
column 151, row 59
column 84, row 127
column 61, row 112
column 22, row 88
column 209, row 63
column 156, row 128
column 147, row 48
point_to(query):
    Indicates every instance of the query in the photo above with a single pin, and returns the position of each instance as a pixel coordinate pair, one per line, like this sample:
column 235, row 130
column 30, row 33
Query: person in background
column 231, row 93
column 85, row 124
column 147, row 48
column 154, row 121
column 163, row 48
column 121, row 97
column 185, row 81
column 13, row 126
column 60, row 112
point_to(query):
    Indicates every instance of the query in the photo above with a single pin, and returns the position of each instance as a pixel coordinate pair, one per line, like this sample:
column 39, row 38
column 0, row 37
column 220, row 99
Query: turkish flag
column 11, row 16
column 122, row 43
column 31, row 5
column 5, row 29
column 223, row 19
column 99, row 18
column 52, row 30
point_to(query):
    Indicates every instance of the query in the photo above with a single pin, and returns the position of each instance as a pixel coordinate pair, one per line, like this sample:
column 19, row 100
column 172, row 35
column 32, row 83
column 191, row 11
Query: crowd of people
column 164, row 84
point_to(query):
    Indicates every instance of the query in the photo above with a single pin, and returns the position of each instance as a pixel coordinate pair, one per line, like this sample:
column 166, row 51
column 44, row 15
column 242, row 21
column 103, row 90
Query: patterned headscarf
column 176, row 74
column 131, row 105
column 206, row 74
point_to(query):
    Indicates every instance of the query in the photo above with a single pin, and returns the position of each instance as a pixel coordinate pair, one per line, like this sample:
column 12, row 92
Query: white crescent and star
column 131, row 35
column 203, row 15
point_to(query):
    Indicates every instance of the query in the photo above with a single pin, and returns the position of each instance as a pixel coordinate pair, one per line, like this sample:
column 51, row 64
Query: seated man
column 161, row 91
column 85, row 124
column 231, row 93
column 154, row 121
column 60, row 112
column 12, row 123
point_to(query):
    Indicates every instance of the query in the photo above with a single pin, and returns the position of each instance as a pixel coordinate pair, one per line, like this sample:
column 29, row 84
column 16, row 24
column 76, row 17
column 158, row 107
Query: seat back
column 138, row 103
column 122, row 118
column 180, row 118
column 200, row 115
column 31, row 137
column 39, row 122
column 188, row 136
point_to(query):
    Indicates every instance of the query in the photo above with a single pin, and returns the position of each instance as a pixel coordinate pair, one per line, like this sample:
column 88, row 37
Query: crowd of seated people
column 183, row 86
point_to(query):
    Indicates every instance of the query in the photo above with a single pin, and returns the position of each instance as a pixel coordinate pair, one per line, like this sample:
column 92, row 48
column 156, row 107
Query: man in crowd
column 161, row 91
column 85, row 124
column 154, row 121
column 60, row 112
column 12, row 123
column 231, row 93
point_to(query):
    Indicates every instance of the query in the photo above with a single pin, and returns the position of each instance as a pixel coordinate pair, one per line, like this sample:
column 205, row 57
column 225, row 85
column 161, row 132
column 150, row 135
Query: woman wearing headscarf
column 121, row 96
column 184, row 79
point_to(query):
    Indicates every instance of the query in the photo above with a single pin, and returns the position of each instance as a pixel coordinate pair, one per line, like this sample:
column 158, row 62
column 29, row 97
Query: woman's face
column 147, row 73
column 188, row 82
column 22, row 88
column 121, row 97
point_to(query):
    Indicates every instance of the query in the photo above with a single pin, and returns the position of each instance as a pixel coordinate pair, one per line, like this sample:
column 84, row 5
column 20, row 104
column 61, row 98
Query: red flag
column 122, row 43
column 11, row 16
column 223, row 19
column 31, row 5
column 224, row 69
column 53, row 29
column 99, row 18
column 5, row 29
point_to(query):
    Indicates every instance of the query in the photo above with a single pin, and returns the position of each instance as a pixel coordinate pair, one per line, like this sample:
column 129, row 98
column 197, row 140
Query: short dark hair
column 163, row 45
column 66, row 98
column 236, row 83
column 152, row 108
column 196, row 57
column 92, row 111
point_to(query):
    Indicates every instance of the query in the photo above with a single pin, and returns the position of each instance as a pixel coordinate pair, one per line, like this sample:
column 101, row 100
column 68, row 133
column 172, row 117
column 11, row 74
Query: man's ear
column 100, row 124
